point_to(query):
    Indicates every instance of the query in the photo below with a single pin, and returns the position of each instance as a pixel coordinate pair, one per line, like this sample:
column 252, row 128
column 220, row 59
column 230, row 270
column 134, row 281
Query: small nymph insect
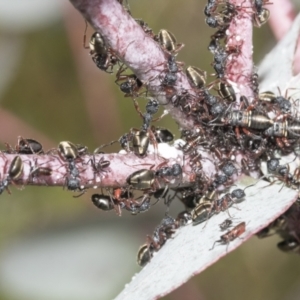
column 225, row 224
column 231, row 235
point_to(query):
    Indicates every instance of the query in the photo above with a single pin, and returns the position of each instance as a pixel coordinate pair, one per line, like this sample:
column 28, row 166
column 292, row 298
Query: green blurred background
column 50, row 90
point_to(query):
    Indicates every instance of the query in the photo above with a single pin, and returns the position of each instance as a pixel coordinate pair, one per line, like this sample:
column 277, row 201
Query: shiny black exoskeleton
column 151, row 108
column 104, row 202
column 175, row 170
column 14, row 172
column 29, row 146
column 69, row 152
column 162, row 135
column 102, row 56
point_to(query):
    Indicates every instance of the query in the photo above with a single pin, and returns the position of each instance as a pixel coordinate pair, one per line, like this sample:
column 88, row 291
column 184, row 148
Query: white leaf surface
column 188, row 253
column 276, row 68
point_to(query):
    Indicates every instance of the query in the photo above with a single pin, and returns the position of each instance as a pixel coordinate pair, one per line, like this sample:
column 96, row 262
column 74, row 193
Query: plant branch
column 136, row 49
column 121, row 166
column 239, row 38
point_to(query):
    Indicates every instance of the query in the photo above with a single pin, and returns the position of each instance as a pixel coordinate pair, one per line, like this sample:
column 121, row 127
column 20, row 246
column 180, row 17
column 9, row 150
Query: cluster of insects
column 235, row 132
column 16, row 165
column 70, row 156
column 227, row 126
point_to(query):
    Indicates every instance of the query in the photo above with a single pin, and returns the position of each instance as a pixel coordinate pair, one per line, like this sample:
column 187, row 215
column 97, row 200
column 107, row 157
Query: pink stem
column 135, row 48
column 121, row 166
column 239, row 36
column 147, row 59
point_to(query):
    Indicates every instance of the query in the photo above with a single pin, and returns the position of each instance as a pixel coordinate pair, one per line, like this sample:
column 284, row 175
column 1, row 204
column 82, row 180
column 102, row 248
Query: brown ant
column 225, row 224
column 231, row 235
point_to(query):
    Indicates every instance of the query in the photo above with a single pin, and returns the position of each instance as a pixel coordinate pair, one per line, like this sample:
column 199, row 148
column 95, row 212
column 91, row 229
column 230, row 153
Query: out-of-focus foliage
column 46, row 92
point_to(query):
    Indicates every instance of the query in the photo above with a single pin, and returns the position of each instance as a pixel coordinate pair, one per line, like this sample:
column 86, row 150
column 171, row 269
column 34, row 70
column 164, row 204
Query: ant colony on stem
column 231, row 134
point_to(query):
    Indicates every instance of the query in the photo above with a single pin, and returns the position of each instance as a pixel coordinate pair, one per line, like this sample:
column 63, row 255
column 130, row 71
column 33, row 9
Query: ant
column 26, row 146
column 137, row 141
column 162, row 232
column 184, row 218
column 143, row 179
column 14, row 172
column 151, row 108
column 162, row 135
column 196, row 76
column 228, row 199
column 210, row 7
column 277, row 226
column 103, row 57
column 38, row 171
column 226, row 91
column 140, row 138
column 122, row 198
column 69, row 152
column 145, row 27
column 170, row 77
column 130, row 84
column 144, row 255
column 289, row 245
column 202, row 212
column 175, row 170
column 168, row 42
column 229, row 169
column 103, row 202
column 100, row 166
column 261, row 14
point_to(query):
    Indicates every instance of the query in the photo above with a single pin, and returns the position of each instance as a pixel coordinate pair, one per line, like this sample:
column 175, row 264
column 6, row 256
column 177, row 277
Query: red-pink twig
column 239, row 37
column 121, row 166
column 135, row 48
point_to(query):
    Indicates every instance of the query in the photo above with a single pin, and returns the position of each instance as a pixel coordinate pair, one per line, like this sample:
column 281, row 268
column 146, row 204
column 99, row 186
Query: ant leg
column 279, row 143
column 219, row 241
column 84, row 36
column 117, row 207
column 159, row 118
column 83, row 192
column 137, row 108
column 150, row 241
column 96, row 151
column 248, row 133
column 208, row 216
